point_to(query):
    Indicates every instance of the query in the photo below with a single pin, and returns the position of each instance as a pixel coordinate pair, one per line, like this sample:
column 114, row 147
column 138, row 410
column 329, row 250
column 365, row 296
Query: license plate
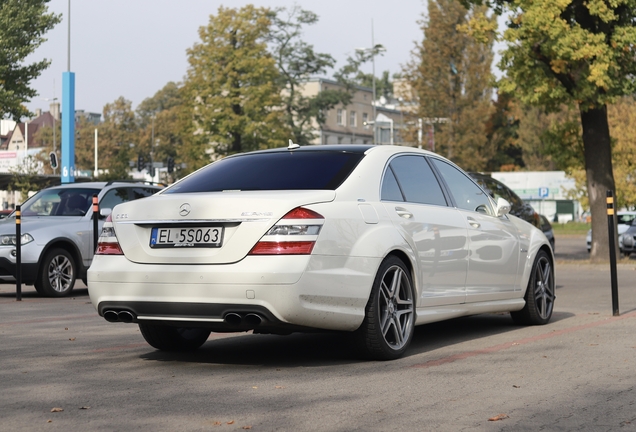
column 186, row 237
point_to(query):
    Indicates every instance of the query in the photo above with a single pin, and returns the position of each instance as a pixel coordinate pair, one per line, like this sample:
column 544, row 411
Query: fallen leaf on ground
column 49, row 421
column 279, row 387
column 57, row 409
column 65, row 328
column 516, row 386
column 230, row 422
column 247, row 427
column 217, row 423
column 85, row 407
column 71, row 339
column 498, row 417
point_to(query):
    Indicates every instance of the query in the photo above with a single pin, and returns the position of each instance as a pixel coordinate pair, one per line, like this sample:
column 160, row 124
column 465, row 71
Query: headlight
column 9, row 239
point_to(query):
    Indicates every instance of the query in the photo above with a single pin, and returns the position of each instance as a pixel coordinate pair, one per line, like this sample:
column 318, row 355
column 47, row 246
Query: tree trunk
column 600, row 177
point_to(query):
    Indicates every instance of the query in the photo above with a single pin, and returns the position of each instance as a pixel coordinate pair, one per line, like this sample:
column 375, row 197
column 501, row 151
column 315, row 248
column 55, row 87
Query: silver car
column 57, row 233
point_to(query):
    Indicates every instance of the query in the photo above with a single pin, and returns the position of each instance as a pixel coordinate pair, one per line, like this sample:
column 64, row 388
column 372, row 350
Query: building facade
column 355, row 123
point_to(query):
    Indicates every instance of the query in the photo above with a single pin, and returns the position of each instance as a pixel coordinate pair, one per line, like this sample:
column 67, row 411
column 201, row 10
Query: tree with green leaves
column 24, row 177
column 579, row 53
column 161, row 125
column 232, row 87
column 22, row 26
column 118, row 139
column 297, row 61
column 450, row 78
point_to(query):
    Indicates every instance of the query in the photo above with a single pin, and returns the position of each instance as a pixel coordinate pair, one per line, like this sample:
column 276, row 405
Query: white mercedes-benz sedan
column 371, row 240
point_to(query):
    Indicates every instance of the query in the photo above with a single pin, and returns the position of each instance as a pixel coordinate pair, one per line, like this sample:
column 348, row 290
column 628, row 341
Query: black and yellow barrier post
column 612, row 250
column 18, row 254
column 95, row 222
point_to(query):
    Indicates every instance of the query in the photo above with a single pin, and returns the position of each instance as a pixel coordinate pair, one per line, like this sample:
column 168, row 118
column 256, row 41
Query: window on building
column 365, row 119
column 352, row 119
column 340, row 117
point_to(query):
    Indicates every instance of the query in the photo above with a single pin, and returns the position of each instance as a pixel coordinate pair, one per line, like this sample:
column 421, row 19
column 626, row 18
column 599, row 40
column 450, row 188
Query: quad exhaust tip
column 250, row 320
column 121, row 316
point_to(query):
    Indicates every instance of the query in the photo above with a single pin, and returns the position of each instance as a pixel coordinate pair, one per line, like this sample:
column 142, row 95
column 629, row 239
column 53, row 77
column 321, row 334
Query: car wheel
column 168, row 338
column 539, row 295
column 388, row 326
column 57, row 274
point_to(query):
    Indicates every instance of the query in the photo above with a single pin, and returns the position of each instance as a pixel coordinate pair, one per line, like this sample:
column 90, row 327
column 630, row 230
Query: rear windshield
column 273, row 171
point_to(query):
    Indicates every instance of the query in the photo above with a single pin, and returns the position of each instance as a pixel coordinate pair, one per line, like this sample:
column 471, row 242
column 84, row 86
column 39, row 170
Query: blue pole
column 68, row 127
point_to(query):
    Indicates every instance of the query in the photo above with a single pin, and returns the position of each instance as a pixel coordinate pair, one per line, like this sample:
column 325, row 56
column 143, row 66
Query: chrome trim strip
column 140, row 317
column 189, row 221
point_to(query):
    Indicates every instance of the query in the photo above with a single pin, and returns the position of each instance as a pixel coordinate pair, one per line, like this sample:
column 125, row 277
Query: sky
column 133, row 48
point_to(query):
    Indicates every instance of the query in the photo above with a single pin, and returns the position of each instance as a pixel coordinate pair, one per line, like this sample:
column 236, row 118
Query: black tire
column 389, row 321
column 176, row 339
column 57, row 274
column 540, row 294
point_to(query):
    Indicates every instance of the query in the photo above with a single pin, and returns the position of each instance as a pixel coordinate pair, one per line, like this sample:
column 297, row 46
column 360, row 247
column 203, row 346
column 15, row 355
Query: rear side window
column 114, row 197
column 415, row 179
column 302, row 170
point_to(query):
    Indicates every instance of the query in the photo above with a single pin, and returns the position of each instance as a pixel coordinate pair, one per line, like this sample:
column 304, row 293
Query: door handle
column 473, row 223
column 403, row 213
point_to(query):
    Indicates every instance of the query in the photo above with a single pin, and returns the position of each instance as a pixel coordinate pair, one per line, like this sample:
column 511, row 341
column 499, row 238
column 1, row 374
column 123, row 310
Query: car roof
column 348, row 148
column 102, row 185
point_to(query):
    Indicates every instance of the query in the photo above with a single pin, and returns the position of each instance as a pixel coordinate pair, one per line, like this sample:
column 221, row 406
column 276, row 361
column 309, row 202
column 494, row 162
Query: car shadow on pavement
column 325, row 349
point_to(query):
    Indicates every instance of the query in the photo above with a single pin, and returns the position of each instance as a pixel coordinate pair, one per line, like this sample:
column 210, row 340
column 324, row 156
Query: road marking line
column 501, row 347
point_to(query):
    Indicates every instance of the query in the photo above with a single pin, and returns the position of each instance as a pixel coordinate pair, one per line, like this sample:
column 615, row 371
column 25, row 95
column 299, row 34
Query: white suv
column 57, row 233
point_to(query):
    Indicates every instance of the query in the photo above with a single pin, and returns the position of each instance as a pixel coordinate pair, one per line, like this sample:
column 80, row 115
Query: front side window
column 416, row 181
column 467, row 194
column 59, row 202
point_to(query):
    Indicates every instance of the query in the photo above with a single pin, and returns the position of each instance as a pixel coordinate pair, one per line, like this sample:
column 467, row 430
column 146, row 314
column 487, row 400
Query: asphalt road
column 576, row 373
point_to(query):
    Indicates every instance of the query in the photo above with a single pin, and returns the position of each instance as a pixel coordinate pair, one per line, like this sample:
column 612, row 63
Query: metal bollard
column 18, row 254
column 95, row 222
column 612, row 247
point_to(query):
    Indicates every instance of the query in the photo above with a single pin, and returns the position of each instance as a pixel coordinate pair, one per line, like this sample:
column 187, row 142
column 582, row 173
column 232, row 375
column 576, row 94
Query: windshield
column 625, row 219
column 59, row 202
column 273, row 171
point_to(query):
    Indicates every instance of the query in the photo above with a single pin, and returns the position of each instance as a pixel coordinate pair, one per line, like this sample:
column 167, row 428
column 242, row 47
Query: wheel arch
column 530, row 264
column 68, row 246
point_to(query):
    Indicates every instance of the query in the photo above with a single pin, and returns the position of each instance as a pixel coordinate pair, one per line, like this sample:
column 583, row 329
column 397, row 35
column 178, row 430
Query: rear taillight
column 107, row 244
column 294, row 234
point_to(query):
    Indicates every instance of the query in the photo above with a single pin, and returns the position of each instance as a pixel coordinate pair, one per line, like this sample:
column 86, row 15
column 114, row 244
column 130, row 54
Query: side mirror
column 503, row 207
column 105, row 212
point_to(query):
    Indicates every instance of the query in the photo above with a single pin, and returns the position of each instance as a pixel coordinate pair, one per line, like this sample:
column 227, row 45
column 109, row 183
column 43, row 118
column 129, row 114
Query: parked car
column 546, row 227
column 627, row 240
column 497, row 189
column 370, row 240
column 57, row 233
column 624, row 220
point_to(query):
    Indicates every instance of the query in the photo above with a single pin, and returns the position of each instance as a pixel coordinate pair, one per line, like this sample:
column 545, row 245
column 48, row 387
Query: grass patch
column 571, row 228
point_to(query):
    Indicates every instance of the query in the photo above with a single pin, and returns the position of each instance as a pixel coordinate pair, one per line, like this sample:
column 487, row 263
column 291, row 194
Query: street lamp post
column 374, row 50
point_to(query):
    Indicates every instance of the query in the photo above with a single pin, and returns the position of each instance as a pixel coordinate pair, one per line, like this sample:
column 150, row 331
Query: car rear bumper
column 323, row 292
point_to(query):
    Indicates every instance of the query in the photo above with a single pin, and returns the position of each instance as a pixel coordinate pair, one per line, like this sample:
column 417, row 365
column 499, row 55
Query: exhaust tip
column 253, row 320
column 125, row 316
column 111, row 316
column 233, row 319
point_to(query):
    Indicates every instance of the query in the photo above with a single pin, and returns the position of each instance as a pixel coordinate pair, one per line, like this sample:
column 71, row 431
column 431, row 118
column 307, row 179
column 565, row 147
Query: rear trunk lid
column 203, row 228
